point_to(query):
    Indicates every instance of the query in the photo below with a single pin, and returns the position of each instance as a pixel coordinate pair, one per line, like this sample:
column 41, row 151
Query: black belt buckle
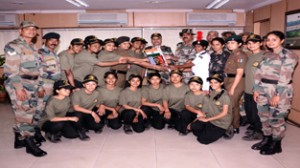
column 269, row 81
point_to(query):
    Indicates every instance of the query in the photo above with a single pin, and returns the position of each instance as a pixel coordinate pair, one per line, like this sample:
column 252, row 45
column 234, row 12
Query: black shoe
column 82, row 136
column 229, row 133
column 52, row 137
column 274, row 147
column 184, row 133
column 18, row 142
column 243, row 121
column 171, row 127
column 127, row 129
column 262, row 144
column 98, row 131
column 38, row 137
column 236, row 130
column 253, row 137
column 32, row 148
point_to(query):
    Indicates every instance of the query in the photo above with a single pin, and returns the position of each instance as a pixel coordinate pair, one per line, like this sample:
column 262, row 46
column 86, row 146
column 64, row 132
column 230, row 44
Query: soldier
column 67, row 61
column 137, row 53
column 227, row 34
column 25, row 86
column 210, row 36
column 273, row 92
column 185, row 51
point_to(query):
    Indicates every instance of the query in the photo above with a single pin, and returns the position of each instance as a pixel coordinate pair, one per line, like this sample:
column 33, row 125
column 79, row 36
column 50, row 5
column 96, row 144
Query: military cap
column 27, row 23
column 178, row 72
column 122, row 39
column 51, row 35
column 144, row 41
column 77, row 41
column 92, row 39
column 189, row 31
column 156, row 35
column 109, row 40
column 90, row 78
column 232, row 33
column 134, row 39
column 254, row 38
column 235, row 38
column 62, row 84
column 196, row 79
column 217, row 77
column 203, row 43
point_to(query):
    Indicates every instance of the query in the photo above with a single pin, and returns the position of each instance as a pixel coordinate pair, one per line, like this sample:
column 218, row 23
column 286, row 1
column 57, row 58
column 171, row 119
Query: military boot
column 262, row 144
column 18, row 143
column 82, row 136
column 32, row 148
column 274, row 147
column 38, row 137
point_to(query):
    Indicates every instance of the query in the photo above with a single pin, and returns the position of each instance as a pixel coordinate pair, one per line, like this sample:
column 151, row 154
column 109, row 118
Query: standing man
column 185, row 50
column 24, row 86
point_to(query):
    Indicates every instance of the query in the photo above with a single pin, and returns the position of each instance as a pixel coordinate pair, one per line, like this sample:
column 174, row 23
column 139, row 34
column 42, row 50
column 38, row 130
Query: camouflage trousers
column 273, row 118
column 25, row 111
column 48, row 86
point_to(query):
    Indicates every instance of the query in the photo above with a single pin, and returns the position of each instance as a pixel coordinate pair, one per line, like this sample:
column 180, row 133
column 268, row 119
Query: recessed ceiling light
column 153, row 2
column 18, row 3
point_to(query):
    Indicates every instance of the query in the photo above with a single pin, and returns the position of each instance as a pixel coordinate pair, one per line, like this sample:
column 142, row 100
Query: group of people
column 197, row 89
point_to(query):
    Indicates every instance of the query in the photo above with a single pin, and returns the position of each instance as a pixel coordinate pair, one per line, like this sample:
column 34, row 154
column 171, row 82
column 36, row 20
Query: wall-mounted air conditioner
column 8, row 20
column 211, row 19
column 102, row 18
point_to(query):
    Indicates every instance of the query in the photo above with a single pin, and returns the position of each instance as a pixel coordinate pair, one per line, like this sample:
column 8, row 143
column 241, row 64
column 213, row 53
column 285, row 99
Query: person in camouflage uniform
column 25, row 87
column 273, row 92
column 185, row 51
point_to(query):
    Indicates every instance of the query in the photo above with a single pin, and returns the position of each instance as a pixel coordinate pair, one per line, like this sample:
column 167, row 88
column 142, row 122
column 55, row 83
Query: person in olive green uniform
column 152, row 96
column 85, row 103
column 130, row 100
column 109, row 100
column 194, row 102
column 137, row 53
column 212, row 126
column 234, row 81
column 173, row 100
column 55, row 121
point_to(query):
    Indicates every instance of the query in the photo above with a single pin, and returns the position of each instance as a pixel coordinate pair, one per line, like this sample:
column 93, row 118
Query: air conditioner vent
column 8, row 20
column 211, row 19
column 103, row 18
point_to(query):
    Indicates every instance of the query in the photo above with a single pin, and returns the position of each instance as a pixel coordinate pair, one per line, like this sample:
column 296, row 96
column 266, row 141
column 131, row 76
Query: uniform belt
column 231, row 75
column 29, row 77
column 270, row 81
column 120, row 72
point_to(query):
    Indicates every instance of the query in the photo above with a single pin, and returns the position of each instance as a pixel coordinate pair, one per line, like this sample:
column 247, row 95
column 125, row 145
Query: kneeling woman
column 130, row 100
column 219, row 116
column 85, row 102
column 109, row 100
column 55, row 120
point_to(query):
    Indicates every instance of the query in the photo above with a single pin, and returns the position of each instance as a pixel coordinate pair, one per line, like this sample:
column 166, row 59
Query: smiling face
column 52, row 43
column 109, row 47
column 233, row 45
column 215, row 85
column 274, row 42
column 135, row 82
column 254, row 47
column 156, row 41
column 175, row 78
column 194, row 86
column 94, row 48
column 28, row 32
column 217, row 46
column 77, row 48
column 63, row 92
column 90, row 86
column 111, row 79
column 155, row 80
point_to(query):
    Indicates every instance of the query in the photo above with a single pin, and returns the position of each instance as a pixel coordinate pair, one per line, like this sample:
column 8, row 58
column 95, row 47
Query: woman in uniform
column 152, row 96
column 194, row 103
column 273, row 92
column 55, row 121
column 173, row 100
column 234, row 81
column 212, row 126
column 109, row 100
column 130, row 100
column 85, row 104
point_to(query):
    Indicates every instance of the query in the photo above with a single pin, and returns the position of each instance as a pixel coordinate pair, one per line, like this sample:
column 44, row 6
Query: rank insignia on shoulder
column 255, row 64
column 218, row 103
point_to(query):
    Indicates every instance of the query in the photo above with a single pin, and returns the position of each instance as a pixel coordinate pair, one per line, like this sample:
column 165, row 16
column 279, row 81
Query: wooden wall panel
column 53, row 20
column 292, row 5
column 159, row 19
column 277, row 20
column 262, row 13
column 249, row 26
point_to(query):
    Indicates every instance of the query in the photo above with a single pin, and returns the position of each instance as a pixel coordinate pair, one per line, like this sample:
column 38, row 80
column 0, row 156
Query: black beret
column 203, row 43
column 109, row 40
column 92, row 39
column 51, row 35
column 144, row 41
column 77, row 41
column 89, row 78
column 122, row 39
column 188, row 31
column 62, row 84
column 254, row 38
column 235, row 38
column 134, row 39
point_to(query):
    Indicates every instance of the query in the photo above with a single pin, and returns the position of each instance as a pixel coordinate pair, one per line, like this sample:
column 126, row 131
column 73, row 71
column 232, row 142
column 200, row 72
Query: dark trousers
column 252, row 112
column 187, row 118
column 206, row 132
column 113, row 123
column 154, row 118
column 176, row 120
column 128, row 116
column 87, row 121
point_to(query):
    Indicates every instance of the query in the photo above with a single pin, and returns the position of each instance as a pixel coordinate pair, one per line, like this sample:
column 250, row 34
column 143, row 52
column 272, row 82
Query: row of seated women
column 185, row 108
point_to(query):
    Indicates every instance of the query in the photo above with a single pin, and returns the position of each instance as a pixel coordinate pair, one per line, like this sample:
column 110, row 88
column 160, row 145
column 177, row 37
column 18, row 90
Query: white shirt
column 200, row 68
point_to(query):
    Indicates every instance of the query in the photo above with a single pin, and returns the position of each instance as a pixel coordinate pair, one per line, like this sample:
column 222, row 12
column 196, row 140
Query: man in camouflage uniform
column 185, row 51
column 24, row 86
column 273, row 93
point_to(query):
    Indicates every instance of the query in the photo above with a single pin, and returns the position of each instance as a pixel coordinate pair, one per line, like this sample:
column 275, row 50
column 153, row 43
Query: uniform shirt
column 184, row 52
column 197, row 102
column 217, row 62
column 84, row 64
column 109, row 98
column 66, row 62
column 153, row 95
column 130, row 98
column 175, row 96
column 251, row 67
column 50, row 64
column 55, row 108
column 236, row 60
column 200, row 68
column 278, row 67
column 21, row 58
column 98, row 71
column 84, row 100
column 133, row 68
column 125, row 53
column 216, row 107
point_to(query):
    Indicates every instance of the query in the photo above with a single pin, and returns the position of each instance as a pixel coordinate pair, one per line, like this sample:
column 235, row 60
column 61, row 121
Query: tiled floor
column 151, row 149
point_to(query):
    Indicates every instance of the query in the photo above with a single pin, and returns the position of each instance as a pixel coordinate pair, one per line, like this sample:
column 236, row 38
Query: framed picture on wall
column 292, row 29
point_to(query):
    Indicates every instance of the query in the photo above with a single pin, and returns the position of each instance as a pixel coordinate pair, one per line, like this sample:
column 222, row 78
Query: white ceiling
column 41, row 5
